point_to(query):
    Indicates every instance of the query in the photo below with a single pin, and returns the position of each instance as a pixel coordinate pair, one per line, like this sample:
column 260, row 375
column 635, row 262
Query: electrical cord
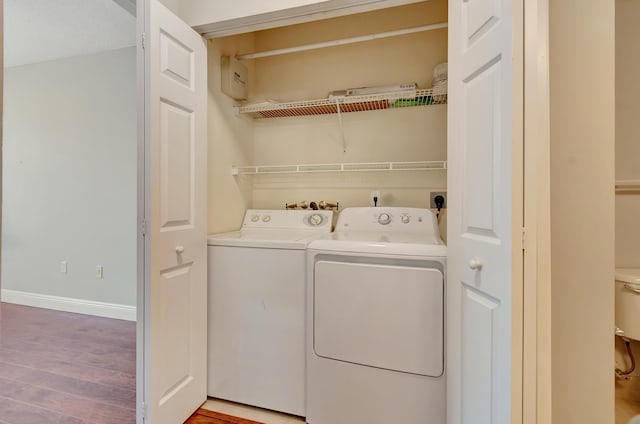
column 439, row 202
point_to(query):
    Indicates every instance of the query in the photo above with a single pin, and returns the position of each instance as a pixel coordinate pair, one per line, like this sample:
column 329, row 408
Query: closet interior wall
column 410, row 134
column 230, row 141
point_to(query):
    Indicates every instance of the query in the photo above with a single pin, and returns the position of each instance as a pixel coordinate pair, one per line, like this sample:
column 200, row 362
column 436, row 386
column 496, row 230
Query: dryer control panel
column 388, row 219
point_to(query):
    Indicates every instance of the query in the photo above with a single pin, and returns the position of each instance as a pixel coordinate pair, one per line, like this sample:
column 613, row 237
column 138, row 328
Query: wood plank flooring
column 250, row 412
column 59, row 367
column 204, row 416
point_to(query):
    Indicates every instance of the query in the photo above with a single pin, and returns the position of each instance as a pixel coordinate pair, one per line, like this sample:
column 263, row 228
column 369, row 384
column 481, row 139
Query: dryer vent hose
column 622, row 373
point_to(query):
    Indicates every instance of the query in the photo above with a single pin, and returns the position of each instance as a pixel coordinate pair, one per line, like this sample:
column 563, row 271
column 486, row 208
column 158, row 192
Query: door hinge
column 143, row 227
column 143, row 411
column 524, row 235
column 143, row 39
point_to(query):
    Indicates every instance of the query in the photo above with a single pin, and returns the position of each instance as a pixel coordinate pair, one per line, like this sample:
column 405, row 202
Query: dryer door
column 382, row 316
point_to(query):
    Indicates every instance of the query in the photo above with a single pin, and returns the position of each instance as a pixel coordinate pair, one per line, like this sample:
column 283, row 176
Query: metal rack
column 339, row 167
column 338, row 105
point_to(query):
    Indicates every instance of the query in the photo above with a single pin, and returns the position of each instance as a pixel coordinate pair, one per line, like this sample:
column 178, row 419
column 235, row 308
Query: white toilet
column 628, row 302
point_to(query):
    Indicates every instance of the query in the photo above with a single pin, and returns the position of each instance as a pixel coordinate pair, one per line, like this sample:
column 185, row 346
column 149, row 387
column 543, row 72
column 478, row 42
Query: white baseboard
column 67, row 304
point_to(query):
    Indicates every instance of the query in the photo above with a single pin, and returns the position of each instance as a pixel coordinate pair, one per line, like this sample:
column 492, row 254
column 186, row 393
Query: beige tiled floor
column 250, row 413
column 627, row 399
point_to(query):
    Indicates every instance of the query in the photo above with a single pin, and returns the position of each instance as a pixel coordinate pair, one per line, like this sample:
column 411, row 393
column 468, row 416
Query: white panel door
column 175, row 339
column 482, row 112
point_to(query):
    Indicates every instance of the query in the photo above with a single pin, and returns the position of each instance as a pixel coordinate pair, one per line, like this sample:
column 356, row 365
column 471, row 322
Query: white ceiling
column 41, row 30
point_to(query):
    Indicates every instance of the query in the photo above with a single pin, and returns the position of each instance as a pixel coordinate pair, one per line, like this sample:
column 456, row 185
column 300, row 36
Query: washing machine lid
column 397, row 243
column 628, row 275
column 266, row 239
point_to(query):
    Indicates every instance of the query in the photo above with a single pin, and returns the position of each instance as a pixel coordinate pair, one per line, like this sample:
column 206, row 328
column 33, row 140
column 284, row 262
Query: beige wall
column 230, row 142
column 627, row 131
column 173, row 5
column 581, row 59
column 627, row 145
column 392, row 135
column 198, row 12
column 241, row 16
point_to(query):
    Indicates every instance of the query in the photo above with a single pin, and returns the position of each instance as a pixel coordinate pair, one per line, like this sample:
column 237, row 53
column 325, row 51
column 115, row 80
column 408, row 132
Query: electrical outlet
column 99, row 271
column 376, row 199
column 432, row 197
column 63, row 267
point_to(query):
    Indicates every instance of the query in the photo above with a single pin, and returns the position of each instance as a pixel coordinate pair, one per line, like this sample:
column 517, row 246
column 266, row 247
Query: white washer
column 375, row 323
column 256, row 343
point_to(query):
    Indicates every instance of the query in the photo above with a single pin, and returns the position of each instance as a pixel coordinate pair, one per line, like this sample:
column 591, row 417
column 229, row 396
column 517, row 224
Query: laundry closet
column 408, row 135
column 259, row 165
column 316, row 126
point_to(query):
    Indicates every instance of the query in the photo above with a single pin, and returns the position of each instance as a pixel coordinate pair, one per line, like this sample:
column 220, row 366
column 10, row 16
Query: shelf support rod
column 342, row 41
column 344, row 142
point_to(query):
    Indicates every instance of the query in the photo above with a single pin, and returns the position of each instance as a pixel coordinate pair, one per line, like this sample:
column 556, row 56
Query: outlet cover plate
column 433, row 195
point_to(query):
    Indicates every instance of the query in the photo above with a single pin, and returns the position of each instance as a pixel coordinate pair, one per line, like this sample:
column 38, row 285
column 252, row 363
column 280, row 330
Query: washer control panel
column 388, row 219
column 319, row 220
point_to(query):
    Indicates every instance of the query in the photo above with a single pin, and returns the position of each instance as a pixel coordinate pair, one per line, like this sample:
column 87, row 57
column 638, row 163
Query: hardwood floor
column 251, row 413
column 204, row 416
column 59, row 367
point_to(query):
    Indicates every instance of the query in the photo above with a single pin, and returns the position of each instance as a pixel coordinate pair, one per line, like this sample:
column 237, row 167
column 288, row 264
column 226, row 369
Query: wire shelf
column 393, row 100
column 339, row 167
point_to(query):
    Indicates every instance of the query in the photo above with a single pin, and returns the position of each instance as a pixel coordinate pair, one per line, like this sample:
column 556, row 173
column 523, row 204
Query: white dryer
column 256, row 343
column 375, row 320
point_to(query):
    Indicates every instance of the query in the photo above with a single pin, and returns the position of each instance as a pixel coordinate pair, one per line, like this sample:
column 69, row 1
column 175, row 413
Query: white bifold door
column 175, row 275
column 484, row 103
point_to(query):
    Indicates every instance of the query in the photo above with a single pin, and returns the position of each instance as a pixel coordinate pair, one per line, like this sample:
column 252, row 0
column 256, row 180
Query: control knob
column 315, row 219
column 384, row 218
column 406, row 219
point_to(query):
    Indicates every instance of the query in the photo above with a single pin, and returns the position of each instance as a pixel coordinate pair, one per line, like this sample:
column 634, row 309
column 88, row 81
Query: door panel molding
column 174, row 225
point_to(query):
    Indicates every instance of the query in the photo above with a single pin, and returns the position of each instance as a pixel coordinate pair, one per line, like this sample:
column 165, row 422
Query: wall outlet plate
column 433, row 195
